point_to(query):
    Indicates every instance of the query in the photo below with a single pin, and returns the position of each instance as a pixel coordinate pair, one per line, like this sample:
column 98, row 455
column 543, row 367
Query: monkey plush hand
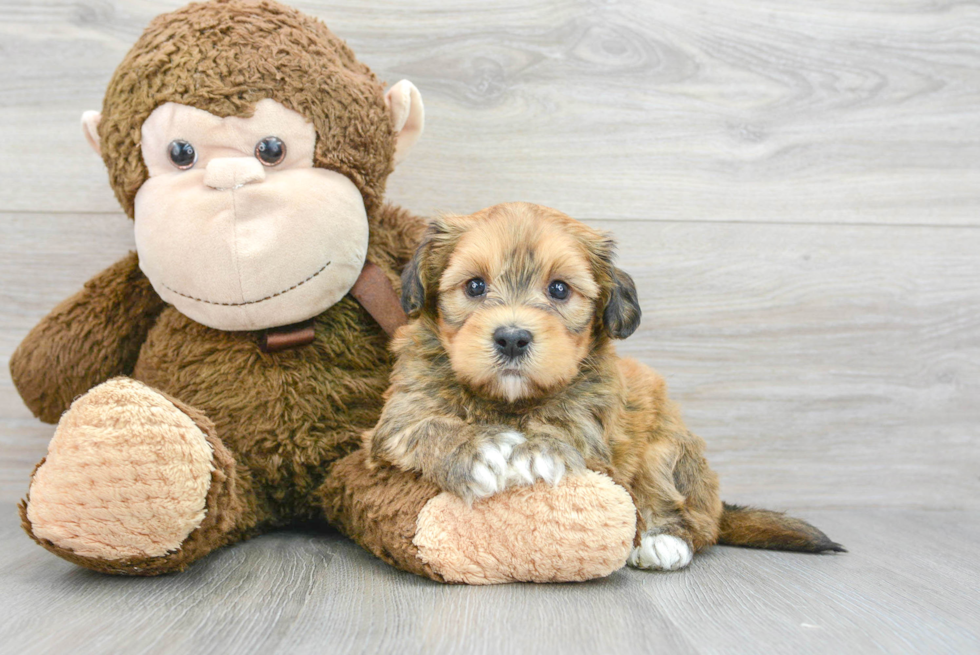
column 216, row 384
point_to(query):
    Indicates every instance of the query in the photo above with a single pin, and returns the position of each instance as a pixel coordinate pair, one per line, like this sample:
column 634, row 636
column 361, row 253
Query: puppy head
column 519, row 294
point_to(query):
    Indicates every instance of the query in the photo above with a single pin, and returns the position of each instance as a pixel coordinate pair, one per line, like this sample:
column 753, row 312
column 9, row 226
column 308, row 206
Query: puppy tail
column 760, row 528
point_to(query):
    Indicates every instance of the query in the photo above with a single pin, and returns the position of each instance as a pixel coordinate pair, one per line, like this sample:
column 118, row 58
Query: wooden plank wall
column 795, row 187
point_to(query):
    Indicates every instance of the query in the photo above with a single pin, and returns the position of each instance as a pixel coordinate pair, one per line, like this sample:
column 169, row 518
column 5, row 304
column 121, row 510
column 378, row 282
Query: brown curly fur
column 216, row 56
column 578, row 401
column 381, row 507
column 283, row 419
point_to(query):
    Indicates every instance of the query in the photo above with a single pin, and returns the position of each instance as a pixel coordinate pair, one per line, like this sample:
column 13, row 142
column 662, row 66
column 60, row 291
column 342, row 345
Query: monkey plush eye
column 182, row 154
column 476, row 288
column 558, row 290
column 270, row 150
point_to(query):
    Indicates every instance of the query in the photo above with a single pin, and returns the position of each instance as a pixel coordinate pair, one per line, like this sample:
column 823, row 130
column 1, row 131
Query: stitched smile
column 249, row 302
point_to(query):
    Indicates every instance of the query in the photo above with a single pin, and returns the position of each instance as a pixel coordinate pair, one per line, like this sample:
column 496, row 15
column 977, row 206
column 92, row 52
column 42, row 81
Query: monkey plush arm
column 87, row 339
column 469, row 461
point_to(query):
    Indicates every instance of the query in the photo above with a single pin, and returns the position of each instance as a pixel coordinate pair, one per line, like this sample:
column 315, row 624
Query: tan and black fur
column 474, row 419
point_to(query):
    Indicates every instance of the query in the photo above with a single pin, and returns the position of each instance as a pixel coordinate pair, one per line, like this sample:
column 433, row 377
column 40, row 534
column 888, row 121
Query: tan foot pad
column 579, row 530
column 126, row 475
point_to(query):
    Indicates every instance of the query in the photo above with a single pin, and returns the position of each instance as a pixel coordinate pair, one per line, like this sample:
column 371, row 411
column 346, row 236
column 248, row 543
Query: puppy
column 509, row 376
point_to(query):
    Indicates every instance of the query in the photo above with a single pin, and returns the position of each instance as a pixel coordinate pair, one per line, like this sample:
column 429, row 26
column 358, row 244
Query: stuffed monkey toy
column 216, row 384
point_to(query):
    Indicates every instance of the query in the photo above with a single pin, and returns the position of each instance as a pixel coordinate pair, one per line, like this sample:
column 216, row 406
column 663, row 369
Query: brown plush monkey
column 252, row 149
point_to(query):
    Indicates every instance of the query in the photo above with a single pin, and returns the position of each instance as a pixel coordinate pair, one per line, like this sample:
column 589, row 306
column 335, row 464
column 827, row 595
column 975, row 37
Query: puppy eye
column 270, row 150
column 558, row 290
column 476, row 287
column 182, row 154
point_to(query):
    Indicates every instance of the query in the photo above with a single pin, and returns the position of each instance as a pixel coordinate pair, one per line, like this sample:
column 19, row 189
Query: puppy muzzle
column 512, row 343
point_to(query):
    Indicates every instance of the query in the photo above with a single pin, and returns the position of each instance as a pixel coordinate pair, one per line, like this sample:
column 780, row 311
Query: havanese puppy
column 509, row 376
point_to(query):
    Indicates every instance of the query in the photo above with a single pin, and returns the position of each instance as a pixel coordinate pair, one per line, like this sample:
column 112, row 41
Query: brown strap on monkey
column 287, row 336
column 372, row 289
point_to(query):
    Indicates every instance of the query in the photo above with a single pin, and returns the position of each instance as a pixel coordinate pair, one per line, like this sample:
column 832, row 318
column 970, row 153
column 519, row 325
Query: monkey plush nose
column 512, row 342
column 233, row 172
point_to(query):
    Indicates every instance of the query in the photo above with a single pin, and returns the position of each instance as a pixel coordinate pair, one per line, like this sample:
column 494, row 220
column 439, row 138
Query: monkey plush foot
column 583, row 528
column 129, row 478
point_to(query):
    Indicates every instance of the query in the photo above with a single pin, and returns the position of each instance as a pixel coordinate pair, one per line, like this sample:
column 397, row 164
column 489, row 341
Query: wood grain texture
column 796, row 189
column 675, row 110
column 300, row 593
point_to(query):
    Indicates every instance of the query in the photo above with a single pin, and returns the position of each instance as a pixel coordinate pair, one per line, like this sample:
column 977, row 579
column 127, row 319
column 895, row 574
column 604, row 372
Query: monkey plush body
column 251, row 148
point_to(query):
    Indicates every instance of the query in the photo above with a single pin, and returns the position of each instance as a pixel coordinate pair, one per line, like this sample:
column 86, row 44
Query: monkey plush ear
column 90, row 126
column 407, row 116
column 621, row 316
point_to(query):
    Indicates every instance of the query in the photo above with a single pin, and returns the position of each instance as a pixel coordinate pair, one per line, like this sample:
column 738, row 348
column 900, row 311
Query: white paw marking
column 661, row 552
column 548, row 468
column 482, row 481
column 497, row 467
column 494, row 457
column 490, row 473
column 508, row 440
column 519, row 471
column 527, row 468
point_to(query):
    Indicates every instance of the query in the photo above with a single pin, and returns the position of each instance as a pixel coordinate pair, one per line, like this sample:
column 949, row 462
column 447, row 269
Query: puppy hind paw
column 661, row 552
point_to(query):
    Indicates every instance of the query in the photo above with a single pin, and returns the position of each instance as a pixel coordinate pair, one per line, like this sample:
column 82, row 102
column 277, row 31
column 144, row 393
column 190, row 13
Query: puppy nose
column 233, row 172
column 512, row 342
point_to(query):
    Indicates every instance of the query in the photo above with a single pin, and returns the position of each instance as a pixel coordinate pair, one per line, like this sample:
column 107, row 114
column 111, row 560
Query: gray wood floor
column 796, row 189
column 895, row 592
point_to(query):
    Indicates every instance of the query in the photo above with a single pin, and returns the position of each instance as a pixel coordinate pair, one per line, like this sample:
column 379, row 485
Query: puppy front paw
column 661, row 552
column 532, row 461
column 478, row 471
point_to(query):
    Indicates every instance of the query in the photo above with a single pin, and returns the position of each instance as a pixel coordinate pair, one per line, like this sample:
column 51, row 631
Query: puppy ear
column 417, row 276
column 413, row 290
column 420, row 279
column 621, row 315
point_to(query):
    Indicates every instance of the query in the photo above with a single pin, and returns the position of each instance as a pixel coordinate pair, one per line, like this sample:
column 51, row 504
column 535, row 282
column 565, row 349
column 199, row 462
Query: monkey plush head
column 250, row 147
